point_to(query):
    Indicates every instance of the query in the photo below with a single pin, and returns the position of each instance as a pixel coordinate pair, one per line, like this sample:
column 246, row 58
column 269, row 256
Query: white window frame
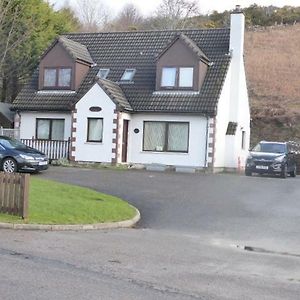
column 128, row 71
column 164, row 74
column 180, row 79
column 106, row 72
column 165, row 146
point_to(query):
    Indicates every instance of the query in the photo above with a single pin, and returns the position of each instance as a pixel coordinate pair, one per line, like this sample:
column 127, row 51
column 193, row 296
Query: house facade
column 173, row 98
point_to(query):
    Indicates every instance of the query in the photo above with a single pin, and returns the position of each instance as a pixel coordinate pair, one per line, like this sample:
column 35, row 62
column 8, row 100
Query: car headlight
column 279, row 158
column 249, row 158
column 27, row 157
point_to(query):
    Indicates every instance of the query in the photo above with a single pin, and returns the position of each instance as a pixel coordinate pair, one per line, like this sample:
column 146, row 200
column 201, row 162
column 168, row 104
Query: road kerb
column 76, row 227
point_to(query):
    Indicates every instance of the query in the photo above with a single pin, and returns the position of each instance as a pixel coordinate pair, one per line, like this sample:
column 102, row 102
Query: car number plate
column 262, row 167
column 43, row 163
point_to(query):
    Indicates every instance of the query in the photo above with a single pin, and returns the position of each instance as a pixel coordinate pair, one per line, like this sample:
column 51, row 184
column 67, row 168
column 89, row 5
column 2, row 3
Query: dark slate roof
column 116, row 94
column 118, row 51
column 5, row 122
column 76, row 50
column 190, row 44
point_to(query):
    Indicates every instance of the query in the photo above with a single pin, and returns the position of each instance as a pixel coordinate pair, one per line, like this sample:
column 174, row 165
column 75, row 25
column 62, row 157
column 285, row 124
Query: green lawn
column 51, row 202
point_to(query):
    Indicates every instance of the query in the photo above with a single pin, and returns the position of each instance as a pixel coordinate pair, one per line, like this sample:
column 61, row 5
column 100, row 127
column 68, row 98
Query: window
column 166, row 136
column 168, row 77
column 231, row 128
column 177, row 77
column 95, row 130
column 103, row 73
column 186, row 77
column 243, row 140
column 50, row 129
column 128, row 75
column 57, row 77
column 50, row 77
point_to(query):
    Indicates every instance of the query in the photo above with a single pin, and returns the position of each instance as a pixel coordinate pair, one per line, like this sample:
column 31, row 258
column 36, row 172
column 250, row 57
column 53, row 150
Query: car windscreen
column 270, row 148
column 12, row 144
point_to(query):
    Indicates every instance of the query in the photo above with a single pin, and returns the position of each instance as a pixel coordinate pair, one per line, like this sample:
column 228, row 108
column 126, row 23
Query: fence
column 14, row 193
column 12, row 133
column 53, row 149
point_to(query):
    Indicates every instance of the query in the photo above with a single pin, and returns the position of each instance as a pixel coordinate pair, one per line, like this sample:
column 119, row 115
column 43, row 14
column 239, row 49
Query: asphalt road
column 189, row 244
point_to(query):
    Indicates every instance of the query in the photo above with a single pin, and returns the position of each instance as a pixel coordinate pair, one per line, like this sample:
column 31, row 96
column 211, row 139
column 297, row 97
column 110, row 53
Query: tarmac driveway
column 185, row 246
column 256, row 211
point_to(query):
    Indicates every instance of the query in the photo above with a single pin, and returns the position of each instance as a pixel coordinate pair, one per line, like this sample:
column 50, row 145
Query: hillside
column 272, row 57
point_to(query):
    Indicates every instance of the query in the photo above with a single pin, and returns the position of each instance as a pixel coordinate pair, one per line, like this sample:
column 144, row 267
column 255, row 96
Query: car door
column 2, row 153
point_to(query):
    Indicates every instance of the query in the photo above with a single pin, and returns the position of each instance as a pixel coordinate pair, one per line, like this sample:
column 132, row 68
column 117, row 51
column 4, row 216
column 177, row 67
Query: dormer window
column 128, row 75
column 57, row 78
column 186, row 77
column 177, row 77
column 102, row 73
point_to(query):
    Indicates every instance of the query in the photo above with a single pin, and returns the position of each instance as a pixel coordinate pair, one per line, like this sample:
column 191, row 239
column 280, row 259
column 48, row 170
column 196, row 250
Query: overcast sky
column 147, row 7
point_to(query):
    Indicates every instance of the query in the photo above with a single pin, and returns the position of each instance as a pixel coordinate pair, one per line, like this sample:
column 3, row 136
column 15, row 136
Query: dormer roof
column 190, row 44
column 77, row 51
column 115, row 93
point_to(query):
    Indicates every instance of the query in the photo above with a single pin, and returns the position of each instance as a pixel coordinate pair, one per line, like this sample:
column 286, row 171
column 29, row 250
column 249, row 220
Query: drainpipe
column 206, row 146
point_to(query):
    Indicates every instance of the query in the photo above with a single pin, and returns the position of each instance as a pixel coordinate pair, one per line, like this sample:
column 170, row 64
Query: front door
column 125, row 141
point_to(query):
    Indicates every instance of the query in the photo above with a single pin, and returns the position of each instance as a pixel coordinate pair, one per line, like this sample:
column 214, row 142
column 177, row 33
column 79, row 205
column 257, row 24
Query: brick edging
column 78, row 227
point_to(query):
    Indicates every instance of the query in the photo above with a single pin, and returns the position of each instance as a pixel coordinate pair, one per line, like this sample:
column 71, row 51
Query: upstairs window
column 103, row 73
column 177, row 77
column 128, row 75
column 57, row 77
column 168, row 78
column 186, row 77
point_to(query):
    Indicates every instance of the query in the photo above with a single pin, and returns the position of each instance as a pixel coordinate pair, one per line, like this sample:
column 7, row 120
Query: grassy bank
column 57, row 203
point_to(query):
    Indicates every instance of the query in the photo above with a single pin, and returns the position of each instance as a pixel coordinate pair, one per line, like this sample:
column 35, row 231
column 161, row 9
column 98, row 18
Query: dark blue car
column 15, row 156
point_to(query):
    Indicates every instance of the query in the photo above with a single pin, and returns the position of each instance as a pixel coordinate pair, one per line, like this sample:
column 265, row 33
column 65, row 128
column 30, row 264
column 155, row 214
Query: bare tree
column 92, row 13
column 175, row 14
column 128, row 19
column 12, row 36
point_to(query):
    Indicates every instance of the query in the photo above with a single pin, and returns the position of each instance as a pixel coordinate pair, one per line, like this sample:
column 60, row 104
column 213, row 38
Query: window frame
column 50, row 128
column 165, row 147
column 106, row 70
column 57, row 86
column 132, row 70
column 177, row 78
column 88, row 130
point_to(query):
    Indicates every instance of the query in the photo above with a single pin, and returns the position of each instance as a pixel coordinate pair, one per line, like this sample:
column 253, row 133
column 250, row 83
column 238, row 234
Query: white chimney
column 237, row 30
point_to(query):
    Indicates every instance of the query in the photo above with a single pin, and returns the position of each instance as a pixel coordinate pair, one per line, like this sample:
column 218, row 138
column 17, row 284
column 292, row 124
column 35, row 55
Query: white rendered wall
column 222, row 119
column 196, row 157
column 28, row 123
column 91, row 151
column 239, row 103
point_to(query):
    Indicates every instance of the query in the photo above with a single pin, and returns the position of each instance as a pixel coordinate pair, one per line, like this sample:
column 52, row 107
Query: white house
column 173, row 98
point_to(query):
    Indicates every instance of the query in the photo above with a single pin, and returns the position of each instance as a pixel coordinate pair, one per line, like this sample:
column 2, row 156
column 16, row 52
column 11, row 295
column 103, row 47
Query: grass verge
column 51, row 202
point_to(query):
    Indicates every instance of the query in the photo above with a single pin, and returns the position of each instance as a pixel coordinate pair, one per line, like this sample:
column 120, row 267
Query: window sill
column 94, row 143
column 176, row 92
column 56, row 92
column 163, row 152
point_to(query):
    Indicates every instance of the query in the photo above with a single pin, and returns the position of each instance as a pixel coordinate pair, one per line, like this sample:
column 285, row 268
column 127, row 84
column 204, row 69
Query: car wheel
column 284, row 172
column 248, row 173
column 294, row 172
column 9, row 165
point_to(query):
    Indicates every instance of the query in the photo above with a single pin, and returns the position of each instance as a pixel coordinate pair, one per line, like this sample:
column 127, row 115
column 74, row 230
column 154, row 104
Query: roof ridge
column 143, row 31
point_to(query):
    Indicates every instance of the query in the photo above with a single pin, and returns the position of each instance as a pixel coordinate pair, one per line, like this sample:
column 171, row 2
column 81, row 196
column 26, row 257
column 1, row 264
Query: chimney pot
column 238, row 9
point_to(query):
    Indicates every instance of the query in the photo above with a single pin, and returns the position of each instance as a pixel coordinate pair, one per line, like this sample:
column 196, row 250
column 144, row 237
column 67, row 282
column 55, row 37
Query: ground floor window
column 95, row 130
column 50, row 129
column 166, row 136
